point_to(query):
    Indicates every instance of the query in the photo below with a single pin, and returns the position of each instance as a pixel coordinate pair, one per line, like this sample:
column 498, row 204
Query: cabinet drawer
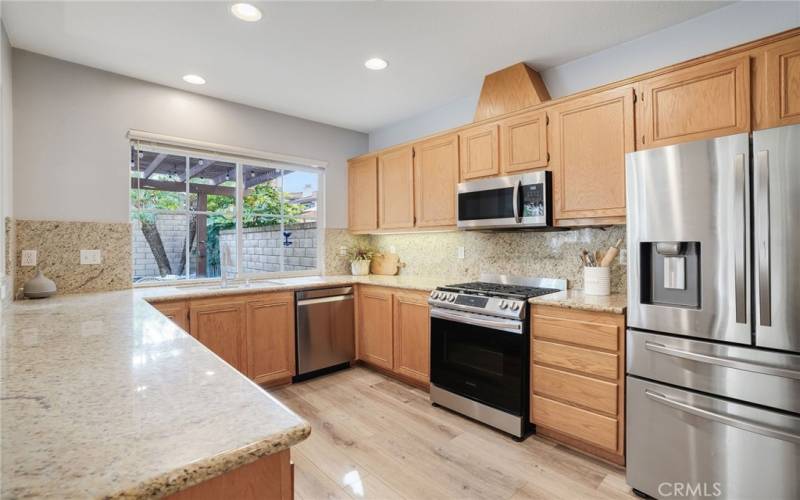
column 584, row 391
column 586, row 331
column 599, row 364
column 587, row 426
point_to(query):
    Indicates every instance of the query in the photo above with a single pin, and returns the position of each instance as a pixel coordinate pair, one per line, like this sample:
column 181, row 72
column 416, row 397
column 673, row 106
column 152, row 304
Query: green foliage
column 361, row 251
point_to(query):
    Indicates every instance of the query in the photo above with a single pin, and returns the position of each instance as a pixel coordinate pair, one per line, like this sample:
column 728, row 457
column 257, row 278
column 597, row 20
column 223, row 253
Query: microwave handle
column 515, row 201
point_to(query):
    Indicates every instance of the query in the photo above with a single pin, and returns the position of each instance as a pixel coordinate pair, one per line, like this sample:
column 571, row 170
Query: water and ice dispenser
column 670, row 272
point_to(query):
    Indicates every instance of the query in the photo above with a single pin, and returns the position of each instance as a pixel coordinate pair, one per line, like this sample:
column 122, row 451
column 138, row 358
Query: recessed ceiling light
column 246, row 12
column 194, row 79
column 376, row 63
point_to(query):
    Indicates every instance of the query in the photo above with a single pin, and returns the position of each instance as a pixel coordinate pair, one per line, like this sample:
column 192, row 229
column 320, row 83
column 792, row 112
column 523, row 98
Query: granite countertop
column 615, row 303
column 102, row 396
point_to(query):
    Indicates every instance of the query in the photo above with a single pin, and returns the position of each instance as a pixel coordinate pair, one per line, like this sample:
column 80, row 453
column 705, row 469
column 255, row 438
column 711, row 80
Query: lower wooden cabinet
column 177, row 311
column 393, row 331
column 578, row 379
column 412, row 335
column 254, row 333
column 270, row 338
column 374, row 326
column 219, row 324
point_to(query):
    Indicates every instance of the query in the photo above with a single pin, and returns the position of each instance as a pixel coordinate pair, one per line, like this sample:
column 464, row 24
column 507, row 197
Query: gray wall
column 6, row 161
column 719, row 29
column 71, row 152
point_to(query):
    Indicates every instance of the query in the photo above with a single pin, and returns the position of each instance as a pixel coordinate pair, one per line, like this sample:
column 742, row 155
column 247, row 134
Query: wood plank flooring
column 374, row 437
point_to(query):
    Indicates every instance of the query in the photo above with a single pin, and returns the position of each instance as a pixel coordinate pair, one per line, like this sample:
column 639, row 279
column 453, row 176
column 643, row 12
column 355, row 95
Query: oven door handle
column 475, row 320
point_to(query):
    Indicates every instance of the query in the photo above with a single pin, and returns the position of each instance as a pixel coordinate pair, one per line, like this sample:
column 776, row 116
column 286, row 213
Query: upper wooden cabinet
column 270, row 338
column 374, row 326
column 412, row 335
column 590, row 137
column 219, row 324
column 707, row 100
column 362, row 193
column 479, row 152
column 523, row 142
column 781, row 84
column 396, row 188
column 435, row 181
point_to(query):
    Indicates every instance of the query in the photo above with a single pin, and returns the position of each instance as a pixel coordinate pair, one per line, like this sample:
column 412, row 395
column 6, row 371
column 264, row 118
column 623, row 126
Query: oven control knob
column 515, row 306
column 435, row 295
column 451, row 298
column 503, row 304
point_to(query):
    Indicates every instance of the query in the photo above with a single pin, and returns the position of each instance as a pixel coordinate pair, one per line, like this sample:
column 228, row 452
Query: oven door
column 480, row 357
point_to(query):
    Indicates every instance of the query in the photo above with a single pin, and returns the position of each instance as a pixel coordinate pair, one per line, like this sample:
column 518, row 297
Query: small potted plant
column 360, row 258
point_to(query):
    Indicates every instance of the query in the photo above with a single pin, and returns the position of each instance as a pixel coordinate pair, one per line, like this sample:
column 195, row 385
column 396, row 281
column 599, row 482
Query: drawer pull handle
column 749, row 366
column 764, row 430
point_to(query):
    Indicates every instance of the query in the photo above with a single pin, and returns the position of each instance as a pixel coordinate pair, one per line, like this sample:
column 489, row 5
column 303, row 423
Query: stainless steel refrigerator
column 713, row 341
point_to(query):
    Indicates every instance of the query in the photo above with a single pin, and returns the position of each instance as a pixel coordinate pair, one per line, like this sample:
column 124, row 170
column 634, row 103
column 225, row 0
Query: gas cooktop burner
column 500, row 289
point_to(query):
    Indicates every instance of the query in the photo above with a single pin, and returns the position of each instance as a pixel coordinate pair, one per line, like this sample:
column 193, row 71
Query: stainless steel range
column 480, row 347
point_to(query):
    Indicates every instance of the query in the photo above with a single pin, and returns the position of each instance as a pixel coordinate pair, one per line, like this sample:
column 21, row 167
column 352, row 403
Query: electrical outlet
column 623, row 257
column 28, row 257
column 342, row 251
column 91, row 257
column 460, row 252
column 392, row 249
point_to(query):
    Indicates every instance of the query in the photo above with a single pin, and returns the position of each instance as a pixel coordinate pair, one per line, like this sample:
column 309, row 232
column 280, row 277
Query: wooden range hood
column 510, row 89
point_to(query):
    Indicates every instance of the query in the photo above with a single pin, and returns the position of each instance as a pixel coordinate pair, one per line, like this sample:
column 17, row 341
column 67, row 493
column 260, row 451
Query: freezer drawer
column 688, row 445
column 754, row 375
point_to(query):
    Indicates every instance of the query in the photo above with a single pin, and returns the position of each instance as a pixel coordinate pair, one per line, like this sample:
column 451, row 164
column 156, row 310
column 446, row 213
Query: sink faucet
column 226, row 261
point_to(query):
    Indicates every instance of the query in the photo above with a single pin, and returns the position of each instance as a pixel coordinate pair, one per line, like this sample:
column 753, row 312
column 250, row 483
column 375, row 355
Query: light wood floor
column 374, row 437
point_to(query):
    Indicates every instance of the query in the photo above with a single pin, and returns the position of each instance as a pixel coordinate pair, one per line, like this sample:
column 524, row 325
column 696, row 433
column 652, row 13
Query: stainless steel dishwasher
column 325, row 330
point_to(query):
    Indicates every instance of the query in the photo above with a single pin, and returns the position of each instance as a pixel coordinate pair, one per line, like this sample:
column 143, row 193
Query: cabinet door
column 782, row 83
column 396, row 188
column 590, row 137
column 219, row 324
column 436, row 181
column 479, row 152
column 375, row 326
column 523, row 142
column 708, row 100
column 362, row 194
column 178, row 312
column 412, row 335
column 270, row 338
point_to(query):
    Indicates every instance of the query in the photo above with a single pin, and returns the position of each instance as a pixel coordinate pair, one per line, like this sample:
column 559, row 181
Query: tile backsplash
column 58, row 245
column 552, row 254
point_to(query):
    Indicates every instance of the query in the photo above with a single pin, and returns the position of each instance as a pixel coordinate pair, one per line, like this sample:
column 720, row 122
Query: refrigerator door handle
column 749, row 366
column 763, row 241
column 745, row 425
column 740, row 246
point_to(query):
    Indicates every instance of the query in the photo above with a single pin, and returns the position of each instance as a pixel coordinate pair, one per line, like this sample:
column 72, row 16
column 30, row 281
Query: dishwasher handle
column 322, row 300
column 318, row 293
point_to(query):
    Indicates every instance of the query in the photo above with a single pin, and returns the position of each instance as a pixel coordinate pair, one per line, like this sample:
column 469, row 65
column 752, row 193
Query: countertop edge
column 616, row 303
column 207, row 468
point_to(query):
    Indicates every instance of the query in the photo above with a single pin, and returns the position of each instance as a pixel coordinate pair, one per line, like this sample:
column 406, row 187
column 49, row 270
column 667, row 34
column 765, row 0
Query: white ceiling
column 306, row 58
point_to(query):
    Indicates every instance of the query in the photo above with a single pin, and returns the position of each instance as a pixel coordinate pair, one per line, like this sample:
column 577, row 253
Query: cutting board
column 385, row 263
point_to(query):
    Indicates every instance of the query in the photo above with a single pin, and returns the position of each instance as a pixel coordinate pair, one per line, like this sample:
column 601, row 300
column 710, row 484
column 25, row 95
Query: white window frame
column 239, row 156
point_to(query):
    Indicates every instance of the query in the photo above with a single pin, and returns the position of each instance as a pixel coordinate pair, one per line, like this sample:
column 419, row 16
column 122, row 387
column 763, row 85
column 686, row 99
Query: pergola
column 205, row 177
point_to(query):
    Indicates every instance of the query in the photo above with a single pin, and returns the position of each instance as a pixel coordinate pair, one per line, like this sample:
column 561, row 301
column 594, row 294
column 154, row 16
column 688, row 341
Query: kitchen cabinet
column 711, row 99
column 479, row 156
column 362, row 193
column 523, row 142
column 219, row 324
column 781, row 83
column 396, row 188
column 436, row 180
column 270, row 338
column 590, row 137
column 412, row 335
column 177, row 312
column 374, row 326
column 578, row 379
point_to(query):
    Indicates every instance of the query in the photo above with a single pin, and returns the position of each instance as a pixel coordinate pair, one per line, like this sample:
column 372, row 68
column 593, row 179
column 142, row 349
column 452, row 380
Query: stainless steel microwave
column 514, row 201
